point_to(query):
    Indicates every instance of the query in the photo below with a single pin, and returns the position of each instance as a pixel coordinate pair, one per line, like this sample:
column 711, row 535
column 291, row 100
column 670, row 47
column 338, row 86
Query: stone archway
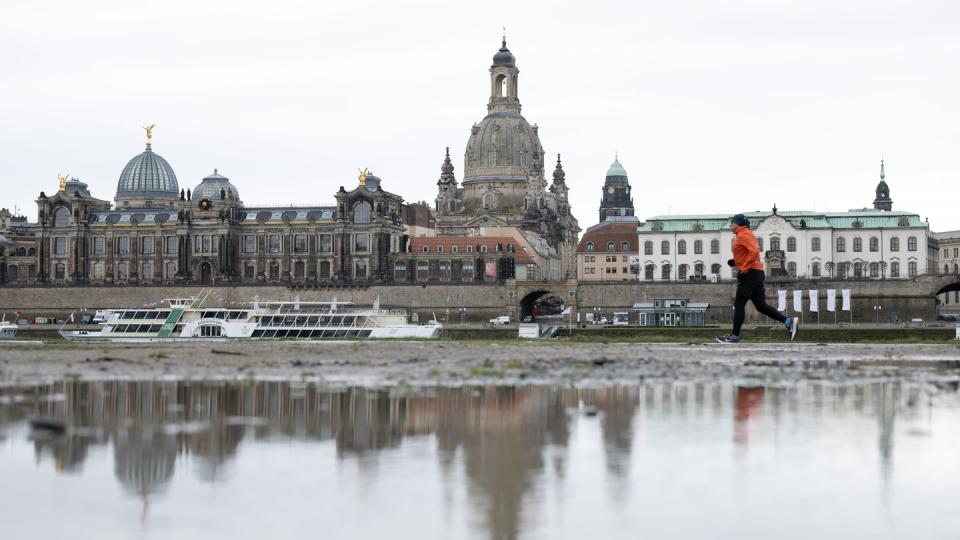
column 541, row 302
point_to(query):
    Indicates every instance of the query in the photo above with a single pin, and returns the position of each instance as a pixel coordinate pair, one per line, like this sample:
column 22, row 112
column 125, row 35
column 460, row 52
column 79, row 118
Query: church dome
column 147, row 176
column 504, row 57
column 211, row 186
column 503, row 147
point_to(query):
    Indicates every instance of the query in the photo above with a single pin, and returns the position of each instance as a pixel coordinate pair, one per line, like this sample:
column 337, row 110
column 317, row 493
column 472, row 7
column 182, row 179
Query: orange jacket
column 746, row 252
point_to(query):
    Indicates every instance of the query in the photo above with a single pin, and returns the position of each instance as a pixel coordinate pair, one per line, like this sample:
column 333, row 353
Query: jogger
column 746, row 257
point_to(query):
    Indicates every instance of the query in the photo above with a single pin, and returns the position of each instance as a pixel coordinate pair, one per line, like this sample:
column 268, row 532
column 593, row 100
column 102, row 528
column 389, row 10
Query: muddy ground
column 372, row 363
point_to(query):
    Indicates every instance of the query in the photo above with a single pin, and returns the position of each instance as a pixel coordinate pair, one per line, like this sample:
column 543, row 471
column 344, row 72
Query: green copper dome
column 616, row 169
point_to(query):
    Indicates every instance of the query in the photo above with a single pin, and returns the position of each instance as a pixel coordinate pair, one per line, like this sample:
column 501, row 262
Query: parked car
column 501, row 320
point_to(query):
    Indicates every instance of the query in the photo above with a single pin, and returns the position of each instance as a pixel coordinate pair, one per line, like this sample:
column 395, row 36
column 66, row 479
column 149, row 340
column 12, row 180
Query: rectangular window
column 147, row 270
column 361, row 243
column 912, row 269
column 360, row 268
column 400, row 271
column 274, row 243
column 423, row 270
column 300, row 243
column 171, row 245
column 207, row 247
column 249, row 270
column 99, row 245
column 123, row 245
column 59, row 246
column 445, row 273
column 147, row 245
column 171, row 270
column 467, row 271
column 198, row 244
column 122, row 272
column 326, row 243
column 249, row 243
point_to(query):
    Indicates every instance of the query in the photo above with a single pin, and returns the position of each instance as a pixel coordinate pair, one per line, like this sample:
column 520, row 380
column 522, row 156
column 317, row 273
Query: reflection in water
column 502, row 440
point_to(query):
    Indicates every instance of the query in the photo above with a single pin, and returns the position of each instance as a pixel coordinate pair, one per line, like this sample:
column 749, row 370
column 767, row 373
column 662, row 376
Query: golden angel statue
column 363, row 176
column 149, row 130
column 63, row 181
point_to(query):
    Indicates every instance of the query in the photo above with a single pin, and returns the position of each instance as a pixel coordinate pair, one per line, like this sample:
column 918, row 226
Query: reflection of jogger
column 746, row 257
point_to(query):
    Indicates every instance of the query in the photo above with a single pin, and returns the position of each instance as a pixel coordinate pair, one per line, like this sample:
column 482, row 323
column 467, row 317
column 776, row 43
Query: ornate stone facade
column 504, row 185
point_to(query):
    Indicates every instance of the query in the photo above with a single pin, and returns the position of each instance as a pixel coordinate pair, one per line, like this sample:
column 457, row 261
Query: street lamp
column 877, row 309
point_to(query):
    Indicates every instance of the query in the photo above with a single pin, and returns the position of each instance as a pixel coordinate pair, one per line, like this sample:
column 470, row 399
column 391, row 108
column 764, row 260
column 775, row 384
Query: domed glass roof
column 147, row 175
column 210, row 188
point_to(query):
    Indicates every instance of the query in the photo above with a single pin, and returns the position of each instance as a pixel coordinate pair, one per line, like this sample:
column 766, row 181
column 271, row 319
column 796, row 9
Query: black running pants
column 750, row 287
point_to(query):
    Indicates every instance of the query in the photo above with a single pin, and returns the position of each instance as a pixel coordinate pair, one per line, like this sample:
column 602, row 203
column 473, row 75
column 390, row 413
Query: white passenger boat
column 185, row 319
column 8, row 330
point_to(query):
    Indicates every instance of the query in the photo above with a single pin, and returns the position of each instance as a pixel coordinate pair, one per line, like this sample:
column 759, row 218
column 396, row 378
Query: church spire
column 446, row 171
column 882, row 175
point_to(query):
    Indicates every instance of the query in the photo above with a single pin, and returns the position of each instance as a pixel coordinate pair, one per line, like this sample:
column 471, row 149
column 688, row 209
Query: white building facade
column 859, row 244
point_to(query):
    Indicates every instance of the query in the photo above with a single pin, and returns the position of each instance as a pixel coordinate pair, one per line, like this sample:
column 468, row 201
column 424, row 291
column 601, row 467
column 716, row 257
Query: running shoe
column 728, row 339
column 793, row 325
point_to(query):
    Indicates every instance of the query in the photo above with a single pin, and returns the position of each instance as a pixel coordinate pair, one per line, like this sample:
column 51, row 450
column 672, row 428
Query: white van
column 501, row 320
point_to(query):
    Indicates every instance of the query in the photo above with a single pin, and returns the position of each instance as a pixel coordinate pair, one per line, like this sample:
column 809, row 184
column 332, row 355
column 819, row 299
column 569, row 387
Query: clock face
column 610, row 190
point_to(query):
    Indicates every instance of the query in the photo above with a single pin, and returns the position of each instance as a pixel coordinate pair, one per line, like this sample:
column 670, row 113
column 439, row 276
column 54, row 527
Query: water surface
column 654, row 460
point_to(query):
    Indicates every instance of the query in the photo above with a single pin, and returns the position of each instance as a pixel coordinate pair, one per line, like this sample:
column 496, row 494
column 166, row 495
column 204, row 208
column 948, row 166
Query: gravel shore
column 381, row 363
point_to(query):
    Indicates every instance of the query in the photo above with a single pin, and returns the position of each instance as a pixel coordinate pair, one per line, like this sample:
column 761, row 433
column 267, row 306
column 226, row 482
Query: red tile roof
column 613, row 231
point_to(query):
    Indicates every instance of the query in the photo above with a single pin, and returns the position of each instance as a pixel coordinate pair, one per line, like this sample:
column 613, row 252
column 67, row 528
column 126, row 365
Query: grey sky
column 715, row 107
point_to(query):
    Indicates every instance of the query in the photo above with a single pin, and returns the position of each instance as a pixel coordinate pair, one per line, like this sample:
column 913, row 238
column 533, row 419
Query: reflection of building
column 504, row 183
column 863, row 244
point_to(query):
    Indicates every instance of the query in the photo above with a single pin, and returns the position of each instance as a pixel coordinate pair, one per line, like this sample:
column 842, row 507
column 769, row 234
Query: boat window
column 121, row 328
column 301, row 321
column 311, row 321
column 163, row 315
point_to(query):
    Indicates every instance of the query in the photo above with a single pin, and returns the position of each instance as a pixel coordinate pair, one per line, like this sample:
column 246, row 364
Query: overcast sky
column 714, row 107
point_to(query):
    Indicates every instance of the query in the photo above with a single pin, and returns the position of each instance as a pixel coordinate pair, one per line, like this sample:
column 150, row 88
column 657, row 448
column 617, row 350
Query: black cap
column 741, row 220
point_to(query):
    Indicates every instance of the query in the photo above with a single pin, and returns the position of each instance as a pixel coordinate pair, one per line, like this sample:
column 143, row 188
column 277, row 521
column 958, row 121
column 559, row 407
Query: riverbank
column 370, row 363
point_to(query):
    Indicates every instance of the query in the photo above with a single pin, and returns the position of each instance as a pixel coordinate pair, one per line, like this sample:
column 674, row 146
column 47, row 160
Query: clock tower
column 616, row 200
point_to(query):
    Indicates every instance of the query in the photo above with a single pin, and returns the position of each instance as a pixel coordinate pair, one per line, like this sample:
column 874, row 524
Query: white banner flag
column 798, row 301
column 781, row 301
column 831, row 299
column 814, row 304
column 846, row 299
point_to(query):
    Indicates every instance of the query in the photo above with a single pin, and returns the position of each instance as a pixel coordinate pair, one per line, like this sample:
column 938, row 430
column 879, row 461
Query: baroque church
column 504, row 190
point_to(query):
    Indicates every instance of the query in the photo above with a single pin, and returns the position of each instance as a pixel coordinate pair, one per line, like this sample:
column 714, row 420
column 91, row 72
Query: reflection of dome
column 147, row 176
column 210, row 188
column 504, row 57
column 144, row 460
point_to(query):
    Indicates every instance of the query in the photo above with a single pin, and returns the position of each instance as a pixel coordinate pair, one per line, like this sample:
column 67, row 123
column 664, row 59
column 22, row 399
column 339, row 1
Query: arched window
column 624, row 246
column 912, row 244
column 792, row 269
column 714, row 268
column 455, row 249
column 492, row 156
column 439, row 249
column 698, row 269
column 874, row 270
column 815, row 244
column 715, row 247
column 665, row 272
column 648, row 272
column 682, row 247
column 489, row 201
column 841, row 244
column 791, row 243
column 895, row 269
column 815, row 269
column 894, row 244
column 956, row 269
column 147, row 272
column 361, row 212
column 857, row 244
column 912, row 269
column 611, row 246
column 61, row 218
column 874, row 244
column 697, row 247
column 426, row 249
column 774, row 243
column 760, row 244
column 648, row 248
column 946, row 269
column 682, row 272
column 501, row 86
column 665, row 247
column 171, row 270
column 589, row 246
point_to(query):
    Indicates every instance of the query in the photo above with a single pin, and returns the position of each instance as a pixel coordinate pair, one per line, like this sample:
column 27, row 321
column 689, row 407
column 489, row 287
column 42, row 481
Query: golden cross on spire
column 504, row 35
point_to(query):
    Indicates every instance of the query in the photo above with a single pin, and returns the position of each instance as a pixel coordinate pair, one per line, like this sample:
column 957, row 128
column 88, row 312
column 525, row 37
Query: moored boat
column 8, row 330
column 186, row 319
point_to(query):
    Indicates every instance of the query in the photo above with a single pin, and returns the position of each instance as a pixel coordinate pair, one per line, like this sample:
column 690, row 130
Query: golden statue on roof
column 63, row 181
column 149, row 130
column 363, row 177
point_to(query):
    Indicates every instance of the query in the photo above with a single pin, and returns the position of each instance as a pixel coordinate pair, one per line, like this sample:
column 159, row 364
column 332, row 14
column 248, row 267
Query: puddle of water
column 680, row 460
